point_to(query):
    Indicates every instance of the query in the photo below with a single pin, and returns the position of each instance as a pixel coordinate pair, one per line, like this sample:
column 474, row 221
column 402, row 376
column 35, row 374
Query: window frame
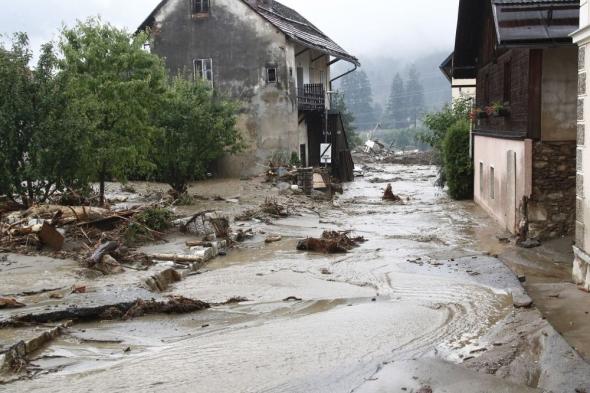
column 275, row 69
column 203, row 73
column 492, row 182
column 507, row 95
column 200, row 7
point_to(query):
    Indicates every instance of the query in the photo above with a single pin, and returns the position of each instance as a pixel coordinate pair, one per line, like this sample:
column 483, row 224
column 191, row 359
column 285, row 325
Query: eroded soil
column 420, row 304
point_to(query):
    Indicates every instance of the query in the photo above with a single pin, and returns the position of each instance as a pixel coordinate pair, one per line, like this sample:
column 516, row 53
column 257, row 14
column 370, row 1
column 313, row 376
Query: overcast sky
column 369, row 27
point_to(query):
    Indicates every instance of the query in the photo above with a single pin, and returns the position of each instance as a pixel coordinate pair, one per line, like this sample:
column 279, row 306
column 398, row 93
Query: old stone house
column 581, row 269
column 272, row 60
column 524, row 140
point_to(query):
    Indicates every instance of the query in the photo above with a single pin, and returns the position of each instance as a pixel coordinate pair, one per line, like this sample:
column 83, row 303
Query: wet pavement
column 418, row 305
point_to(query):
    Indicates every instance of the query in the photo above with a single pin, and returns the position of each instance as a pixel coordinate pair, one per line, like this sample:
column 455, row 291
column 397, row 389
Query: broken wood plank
column 176, row 258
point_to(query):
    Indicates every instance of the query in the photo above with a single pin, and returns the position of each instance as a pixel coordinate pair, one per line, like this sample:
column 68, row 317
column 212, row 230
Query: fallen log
column 176, row 258
column 124, row 311
column 101, row 251
column 8, row 302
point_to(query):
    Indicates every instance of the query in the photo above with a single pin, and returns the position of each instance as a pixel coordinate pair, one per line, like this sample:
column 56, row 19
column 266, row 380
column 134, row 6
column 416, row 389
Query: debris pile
column 331, row 242
column 388, row 195
column 271, row 208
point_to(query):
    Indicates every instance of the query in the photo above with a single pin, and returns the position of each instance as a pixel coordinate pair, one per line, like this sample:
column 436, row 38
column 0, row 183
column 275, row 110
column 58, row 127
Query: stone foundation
column 552, row 208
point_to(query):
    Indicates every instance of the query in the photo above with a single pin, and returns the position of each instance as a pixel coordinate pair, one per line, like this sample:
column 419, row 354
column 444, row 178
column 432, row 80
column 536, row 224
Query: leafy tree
column 339, row 105
column 397, row 106
column 358, row 97
column 414, row 96
column 197, row 127
column 439, row 122
column 39, row 154
column 115, row 85
column 457, row 162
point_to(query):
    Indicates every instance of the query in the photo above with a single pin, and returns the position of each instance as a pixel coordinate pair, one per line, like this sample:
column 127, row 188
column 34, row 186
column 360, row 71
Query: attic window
column 200, row 7
column 271, row 74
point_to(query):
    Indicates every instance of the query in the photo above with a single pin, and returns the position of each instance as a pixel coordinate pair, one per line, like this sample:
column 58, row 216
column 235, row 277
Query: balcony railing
column 311, row 97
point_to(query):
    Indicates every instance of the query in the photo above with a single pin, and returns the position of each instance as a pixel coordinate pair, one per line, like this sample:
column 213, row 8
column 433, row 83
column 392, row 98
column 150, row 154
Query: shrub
column 157, row 218
column 458, row 166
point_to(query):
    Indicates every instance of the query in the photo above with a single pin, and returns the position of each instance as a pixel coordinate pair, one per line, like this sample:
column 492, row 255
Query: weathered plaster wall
column 493, row 153
column 242, row 44
column 560, row 84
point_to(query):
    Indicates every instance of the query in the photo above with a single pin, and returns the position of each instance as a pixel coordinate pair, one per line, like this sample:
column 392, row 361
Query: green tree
column 358, row 97
column 115, row 86
column 197, row 127
column 414, row 96
column 457, row 162
column 339, row 105
column 39, row 153
column 397, row 106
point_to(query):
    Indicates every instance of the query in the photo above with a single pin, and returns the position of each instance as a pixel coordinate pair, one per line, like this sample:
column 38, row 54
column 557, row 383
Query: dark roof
column 302, row 31
column 447, row 67
column 521, row 22
column 288, row 21
column 518, row 23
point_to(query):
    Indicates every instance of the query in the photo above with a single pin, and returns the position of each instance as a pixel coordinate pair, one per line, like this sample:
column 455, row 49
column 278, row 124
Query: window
column 203, row 69
column 271, row 74
column 481, row 181
column 507, row 81
column 492, row 183
column 200, row 7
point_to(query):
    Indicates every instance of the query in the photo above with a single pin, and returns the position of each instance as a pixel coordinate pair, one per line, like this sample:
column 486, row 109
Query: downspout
column 343, row 75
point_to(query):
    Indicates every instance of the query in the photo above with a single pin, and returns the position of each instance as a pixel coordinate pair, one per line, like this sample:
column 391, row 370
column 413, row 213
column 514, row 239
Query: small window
column 481, row 179
column 271, row 74
column 492, row 183
column 507, row 81
column 200, row 7
column 203, row 70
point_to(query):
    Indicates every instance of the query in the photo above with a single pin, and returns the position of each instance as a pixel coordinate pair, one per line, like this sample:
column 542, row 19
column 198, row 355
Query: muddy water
column 417, row 289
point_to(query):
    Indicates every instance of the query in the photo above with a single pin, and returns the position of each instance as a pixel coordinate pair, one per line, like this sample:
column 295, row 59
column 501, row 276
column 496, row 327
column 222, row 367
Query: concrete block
column 207, row 253
column 579, row 271
column 586, row 284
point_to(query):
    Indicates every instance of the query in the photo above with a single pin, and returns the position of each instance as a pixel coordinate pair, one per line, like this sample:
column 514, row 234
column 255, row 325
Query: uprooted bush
column 147, row 223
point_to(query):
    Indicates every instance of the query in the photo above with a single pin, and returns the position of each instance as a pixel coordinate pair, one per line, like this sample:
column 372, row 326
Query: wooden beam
column 301, row 52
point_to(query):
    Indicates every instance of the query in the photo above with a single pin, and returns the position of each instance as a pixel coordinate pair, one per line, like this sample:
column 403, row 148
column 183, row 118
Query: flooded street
column 419, row 304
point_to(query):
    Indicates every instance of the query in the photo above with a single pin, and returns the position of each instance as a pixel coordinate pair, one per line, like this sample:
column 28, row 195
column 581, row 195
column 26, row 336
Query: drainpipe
column 343, row 75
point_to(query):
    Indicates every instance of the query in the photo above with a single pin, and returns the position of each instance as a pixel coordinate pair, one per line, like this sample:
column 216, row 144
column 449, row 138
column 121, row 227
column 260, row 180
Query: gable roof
column 290, row 23
column 517, row 23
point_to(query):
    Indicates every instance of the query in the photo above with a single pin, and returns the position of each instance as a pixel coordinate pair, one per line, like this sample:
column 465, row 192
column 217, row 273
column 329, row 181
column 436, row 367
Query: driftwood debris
column 124, row 311
column 101, row 251
column 331, row 242
column 388, row 195
column 176, row 258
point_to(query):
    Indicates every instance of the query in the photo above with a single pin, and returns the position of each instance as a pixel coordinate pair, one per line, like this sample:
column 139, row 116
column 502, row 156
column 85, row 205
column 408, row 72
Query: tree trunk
column 102, row 178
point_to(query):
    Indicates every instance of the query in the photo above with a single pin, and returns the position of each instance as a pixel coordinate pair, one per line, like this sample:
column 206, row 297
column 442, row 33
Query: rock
column 109, row 265
column 529, row 243
column 8, row 302
column 521, row 300
column 273, row 238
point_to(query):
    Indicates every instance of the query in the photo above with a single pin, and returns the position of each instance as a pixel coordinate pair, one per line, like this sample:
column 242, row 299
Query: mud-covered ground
column 419, row 306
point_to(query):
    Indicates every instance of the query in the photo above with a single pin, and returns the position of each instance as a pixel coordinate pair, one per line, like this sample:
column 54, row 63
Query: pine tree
column 414, row 96
column 397, row 107
column 358, row 97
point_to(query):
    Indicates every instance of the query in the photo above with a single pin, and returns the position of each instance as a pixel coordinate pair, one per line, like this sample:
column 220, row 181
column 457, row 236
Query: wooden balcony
column 311, row 97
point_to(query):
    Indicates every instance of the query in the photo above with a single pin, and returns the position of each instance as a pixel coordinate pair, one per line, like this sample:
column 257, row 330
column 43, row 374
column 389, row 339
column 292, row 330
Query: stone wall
column 552, row 208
